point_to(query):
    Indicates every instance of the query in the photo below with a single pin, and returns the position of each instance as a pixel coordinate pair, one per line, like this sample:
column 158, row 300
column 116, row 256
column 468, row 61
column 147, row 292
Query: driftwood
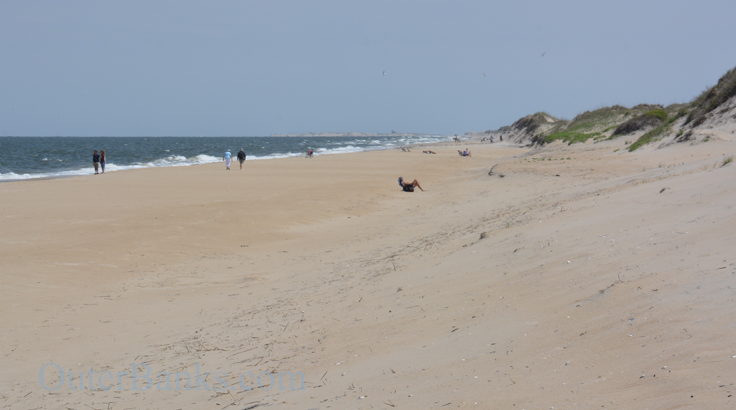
column 491, row 173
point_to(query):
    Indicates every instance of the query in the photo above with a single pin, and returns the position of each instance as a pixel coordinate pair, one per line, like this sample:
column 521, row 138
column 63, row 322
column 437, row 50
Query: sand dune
column 586, row 277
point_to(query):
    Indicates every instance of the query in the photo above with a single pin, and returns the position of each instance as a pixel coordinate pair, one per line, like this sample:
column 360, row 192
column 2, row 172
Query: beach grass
column 570, row 137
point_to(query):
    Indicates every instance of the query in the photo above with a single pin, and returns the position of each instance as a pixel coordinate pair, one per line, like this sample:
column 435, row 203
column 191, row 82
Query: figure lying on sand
column 409, row 186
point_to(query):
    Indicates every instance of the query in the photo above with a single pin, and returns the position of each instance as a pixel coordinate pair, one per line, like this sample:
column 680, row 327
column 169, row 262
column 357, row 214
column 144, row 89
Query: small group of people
column 98, row 161
column 490, row 139
column 464, row 153
column 228, row 157
column 241, row 157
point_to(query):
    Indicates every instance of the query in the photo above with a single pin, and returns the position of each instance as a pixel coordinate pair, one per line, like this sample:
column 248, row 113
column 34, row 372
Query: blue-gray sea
column 49, row 157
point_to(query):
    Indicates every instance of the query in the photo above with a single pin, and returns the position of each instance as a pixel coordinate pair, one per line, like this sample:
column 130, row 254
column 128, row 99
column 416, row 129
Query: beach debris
column 491, row 173
column 483, row 235
column 662, row 190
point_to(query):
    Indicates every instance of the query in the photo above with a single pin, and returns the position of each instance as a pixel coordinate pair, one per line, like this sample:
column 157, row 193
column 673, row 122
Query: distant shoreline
column 357, row 134
column 305, row 135
column 209, row 159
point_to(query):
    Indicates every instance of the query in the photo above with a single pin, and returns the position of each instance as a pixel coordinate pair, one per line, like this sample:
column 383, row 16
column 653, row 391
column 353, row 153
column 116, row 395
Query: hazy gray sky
column 257, row 67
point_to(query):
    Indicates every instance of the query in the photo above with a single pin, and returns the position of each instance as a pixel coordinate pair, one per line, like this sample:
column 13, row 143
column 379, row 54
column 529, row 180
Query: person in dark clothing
column 409, row 186
column 96, row 161
column 103, row 159
column 241, row 157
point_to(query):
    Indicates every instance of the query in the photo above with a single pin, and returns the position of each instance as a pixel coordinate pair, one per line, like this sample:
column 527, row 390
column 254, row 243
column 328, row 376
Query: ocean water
column 48, row 157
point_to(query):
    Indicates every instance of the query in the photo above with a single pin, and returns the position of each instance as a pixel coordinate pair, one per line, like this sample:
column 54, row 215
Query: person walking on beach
column 102, row 161
column 228, row 158
column 409, row 186
column 241, row 157
column 96, row 161
column 310, row 153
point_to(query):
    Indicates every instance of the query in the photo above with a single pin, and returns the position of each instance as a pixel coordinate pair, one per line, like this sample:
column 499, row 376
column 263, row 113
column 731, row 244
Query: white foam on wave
column 12, row 176
column 275, row 156
column 170, row 161
column 341, row 150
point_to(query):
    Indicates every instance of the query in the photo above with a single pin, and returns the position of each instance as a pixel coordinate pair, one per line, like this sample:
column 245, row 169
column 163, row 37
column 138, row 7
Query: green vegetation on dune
column 606, row 123
column 570, row 137
column 599, row 124
column 711, row 98
column 654, row 134
column 658, row 113
column 609, row 122
column 651, row 118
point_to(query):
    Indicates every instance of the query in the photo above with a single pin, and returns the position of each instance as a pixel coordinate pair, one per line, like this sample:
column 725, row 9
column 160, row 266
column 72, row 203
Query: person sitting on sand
column 464, row 153
column 409, row 186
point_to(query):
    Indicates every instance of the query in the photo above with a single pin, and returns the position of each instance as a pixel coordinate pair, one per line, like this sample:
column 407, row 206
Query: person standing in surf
column 241, row 157
column 102, row 161
column 228, row 159
column 96, row 161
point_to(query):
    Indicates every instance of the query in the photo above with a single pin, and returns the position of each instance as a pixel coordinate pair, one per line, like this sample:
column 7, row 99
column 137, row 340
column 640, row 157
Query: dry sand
column 586, row 277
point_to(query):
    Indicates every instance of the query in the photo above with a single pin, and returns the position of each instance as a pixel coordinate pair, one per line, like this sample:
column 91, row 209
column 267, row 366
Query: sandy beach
column 585, row 277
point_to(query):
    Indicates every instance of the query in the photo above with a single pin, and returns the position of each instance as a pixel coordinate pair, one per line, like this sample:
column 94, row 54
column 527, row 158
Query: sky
column 263, row 67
